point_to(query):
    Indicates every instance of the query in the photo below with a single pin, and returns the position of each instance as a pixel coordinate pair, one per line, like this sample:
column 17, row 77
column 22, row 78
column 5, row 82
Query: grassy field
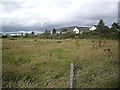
column 36, row 63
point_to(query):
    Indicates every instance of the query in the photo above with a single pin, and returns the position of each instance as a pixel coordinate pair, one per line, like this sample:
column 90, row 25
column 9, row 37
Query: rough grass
column 30, row 63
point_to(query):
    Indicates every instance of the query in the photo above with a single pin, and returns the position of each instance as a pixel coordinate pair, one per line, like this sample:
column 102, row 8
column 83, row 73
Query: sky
column 20, row 15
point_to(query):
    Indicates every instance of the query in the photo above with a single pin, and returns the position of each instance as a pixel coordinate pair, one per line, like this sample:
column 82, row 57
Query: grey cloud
column 96, row 10
column 7, row 7
column 85, row 15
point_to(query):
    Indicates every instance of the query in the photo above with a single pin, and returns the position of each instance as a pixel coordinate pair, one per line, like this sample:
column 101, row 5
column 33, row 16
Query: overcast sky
column 47, row 14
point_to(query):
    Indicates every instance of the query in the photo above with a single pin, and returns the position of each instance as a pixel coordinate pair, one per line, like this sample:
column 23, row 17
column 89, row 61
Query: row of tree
column 32, row 34
column 105, row 32
column 102, row 31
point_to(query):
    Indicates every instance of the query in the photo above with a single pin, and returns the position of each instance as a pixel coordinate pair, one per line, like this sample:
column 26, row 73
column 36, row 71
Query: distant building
column 58, row 32
column 15, row 34
column 92, row 28
column 83, row 29
column 51, row 32
column 74, row 29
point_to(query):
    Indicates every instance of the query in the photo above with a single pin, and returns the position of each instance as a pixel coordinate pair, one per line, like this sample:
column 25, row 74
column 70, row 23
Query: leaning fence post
column 72, row 76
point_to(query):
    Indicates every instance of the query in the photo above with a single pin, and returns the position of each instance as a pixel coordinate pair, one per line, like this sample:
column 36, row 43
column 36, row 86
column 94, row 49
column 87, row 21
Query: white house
column 76, row 30
column 81, row 32
column 51, row 32
column 58, row 32
column 15, row 34
column 92, row 28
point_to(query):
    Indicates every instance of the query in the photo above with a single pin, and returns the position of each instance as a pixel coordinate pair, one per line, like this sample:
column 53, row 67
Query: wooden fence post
column 72, row 76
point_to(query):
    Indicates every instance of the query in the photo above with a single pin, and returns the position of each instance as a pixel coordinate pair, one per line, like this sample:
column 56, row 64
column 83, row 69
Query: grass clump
column 46, row 63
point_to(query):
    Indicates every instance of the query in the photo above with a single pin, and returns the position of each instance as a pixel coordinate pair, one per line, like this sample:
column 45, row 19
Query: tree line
column 102, row 31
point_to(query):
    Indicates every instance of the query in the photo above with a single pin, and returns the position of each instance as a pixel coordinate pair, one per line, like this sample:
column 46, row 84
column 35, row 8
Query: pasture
column 45, row 63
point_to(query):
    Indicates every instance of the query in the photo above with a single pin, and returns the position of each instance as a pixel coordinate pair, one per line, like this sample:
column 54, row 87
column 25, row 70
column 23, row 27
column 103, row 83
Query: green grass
column 27, row 63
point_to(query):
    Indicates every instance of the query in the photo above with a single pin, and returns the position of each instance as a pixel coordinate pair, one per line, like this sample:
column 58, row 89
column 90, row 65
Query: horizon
column 40, row 32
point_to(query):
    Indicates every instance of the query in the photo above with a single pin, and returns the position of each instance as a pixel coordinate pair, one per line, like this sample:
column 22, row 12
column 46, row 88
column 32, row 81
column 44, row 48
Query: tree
column 46, row 34
column 102, row 29
column 45, row 31
column 26, row 35
column 115, row 25
column 21, row 34
column 5, row 36
column 33, row 33
column 54, row 30
column 101, row 25
column 64, row 30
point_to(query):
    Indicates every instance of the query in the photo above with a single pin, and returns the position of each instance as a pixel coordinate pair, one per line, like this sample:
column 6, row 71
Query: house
column 83, row 29
column 14, row 34
column 80, row 30
column 58, row 32
column 77, row 30
column 51, row 32
column 92, row 28
column 68, row 29
column 74, row 29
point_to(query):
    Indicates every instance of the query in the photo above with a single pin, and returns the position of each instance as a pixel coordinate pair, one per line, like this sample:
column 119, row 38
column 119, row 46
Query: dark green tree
column 26, row 35
column 45, row 31
column 101, row 25
column 64, row 30
column 54, row 31
column 102, row 29
column 46, row 34
column 32, row 33
column 115, row 25
column 21, row 34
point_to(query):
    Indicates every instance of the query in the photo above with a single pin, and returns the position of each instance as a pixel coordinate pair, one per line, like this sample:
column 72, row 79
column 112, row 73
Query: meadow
column 45, row 63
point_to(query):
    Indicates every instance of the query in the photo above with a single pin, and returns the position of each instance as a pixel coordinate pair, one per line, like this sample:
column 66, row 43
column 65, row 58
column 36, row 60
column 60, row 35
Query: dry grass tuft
column 45, row 63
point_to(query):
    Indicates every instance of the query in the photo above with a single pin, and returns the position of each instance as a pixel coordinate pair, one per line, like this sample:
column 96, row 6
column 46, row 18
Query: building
column 74, row 29
column 92, row 28
column 58, row 32
column 83, row 29
column 15, row 34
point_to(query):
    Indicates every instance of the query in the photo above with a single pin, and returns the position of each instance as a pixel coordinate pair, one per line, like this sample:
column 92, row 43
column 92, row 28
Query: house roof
column 68, row 28
column 83, row 29
column 72, row 27
column 94, row 26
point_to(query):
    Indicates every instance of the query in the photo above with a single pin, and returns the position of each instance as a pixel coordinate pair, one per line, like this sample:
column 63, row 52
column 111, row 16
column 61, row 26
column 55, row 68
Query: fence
column 72, row 81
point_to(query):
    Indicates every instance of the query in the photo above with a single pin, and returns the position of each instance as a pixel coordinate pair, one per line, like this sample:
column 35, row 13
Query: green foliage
column 102, row 28
column 64, row 30
column 54, row 31
column 5, row 36
column 115, row 25
column 33, row 33
column 26, row 35
column 101, row 32
column 45, row 35
column 101, row 24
